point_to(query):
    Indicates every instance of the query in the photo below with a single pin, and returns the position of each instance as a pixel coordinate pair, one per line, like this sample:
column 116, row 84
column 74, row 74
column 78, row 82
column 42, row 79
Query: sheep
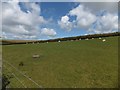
column 104, row 40
column 36, row 56
column 86, row 39
column 100, row 38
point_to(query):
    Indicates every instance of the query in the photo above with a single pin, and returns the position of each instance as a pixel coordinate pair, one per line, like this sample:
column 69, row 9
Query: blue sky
column 47, row 20
column 56, row 10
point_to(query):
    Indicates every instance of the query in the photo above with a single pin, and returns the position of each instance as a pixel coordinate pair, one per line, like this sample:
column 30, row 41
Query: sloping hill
column 71, row 64
column 7, row 42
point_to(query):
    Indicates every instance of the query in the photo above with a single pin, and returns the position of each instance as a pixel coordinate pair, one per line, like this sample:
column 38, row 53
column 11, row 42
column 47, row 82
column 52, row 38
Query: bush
column 5, row 81
column 21, row 64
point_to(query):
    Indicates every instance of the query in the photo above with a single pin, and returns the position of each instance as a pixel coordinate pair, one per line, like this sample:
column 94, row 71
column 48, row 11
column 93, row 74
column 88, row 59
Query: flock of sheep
column 37, row 56
column 87, row 39
column 79, row 39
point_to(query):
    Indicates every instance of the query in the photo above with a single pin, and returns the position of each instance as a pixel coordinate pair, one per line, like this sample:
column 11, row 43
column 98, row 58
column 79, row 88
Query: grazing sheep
column 59, row 41
column 100, row 38
column 36, row 56
column 104, row 40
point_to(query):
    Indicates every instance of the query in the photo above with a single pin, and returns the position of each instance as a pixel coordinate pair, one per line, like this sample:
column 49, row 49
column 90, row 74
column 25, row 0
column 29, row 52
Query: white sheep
column 100, row 38
column 104, row 40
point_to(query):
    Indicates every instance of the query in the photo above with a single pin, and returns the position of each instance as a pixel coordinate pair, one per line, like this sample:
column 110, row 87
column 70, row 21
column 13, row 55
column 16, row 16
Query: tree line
column 7, row 42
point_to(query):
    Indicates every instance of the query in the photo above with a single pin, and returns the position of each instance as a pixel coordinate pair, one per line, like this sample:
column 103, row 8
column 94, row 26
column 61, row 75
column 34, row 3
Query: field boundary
column 23, row 74
column 16, row 77
column 83, row 37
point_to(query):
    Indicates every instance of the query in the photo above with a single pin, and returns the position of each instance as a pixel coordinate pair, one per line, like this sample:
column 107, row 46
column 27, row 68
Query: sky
column 49, row 20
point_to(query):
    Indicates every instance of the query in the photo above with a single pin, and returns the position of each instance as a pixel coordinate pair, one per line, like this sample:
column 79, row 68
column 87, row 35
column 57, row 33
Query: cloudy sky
column 47, row 20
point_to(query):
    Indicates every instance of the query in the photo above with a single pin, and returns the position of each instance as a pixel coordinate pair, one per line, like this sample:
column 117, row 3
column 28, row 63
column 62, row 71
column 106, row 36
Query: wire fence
column 27, row 77
column 17, row 78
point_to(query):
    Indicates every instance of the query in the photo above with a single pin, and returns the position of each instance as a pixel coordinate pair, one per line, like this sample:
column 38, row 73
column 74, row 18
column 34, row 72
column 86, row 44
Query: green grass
column 70, row 64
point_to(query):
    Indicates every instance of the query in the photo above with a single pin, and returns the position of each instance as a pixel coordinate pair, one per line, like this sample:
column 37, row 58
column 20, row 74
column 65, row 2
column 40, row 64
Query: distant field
column 71, row 64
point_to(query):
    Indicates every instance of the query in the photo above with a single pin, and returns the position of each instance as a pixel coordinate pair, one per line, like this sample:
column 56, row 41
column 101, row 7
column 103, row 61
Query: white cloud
column 15, row 0
column 84, row 18
column 19, row 23
column 96, row 1
column 48, row 32
column 87, row 18
column 65, row 23
column 111, row 7
column 13, row 14
column 106, row 23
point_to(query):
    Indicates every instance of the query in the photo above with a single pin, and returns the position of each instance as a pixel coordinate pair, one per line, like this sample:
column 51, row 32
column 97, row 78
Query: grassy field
column 71, row 64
